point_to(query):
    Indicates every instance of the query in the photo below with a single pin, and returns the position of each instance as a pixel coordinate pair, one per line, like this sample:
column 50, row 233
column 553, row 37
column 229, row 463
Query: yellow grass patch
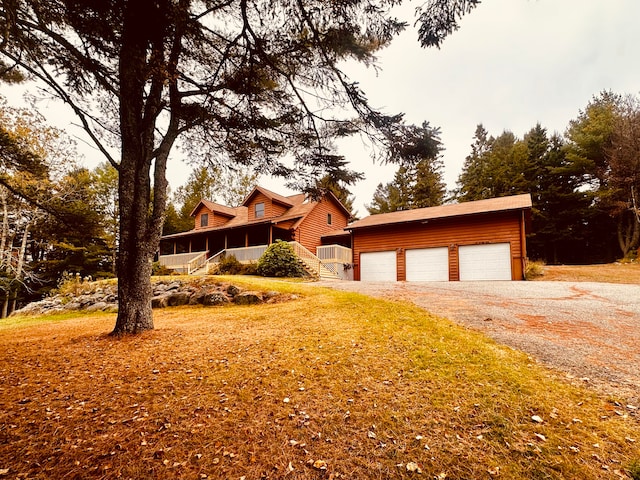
column 608, row 273
column 331, row 385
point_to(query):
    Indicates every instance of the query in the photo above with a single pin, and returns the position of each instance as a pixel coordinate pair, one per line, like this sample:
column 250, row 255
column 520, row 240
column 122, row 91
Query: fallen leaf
column 494, row 471
column 537, row 419
column 412, row 467
column 320, row 465
column 370, row 434
column 540, row 437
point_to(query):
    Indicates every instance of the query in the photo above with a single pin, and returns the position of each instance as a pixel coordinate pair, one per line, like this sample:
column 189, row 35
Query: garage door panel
column 427, row 264
column 378, row 266
column 485, row 262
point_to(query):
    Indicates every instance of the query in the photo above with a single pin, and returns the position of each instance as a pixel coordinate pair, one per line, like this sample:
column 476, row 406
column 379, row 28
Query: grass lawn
column 608, row 273
column 330, row 385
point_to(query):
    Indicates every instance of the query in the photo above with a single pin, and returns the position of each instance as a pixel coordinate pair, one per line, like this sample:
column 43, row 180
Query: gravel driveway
column 590, row 331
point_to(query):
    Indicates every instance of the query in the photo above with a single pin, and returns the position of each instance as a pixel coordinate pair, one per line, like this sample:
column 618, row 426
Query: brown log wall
column 315, row 225
column 271, row 209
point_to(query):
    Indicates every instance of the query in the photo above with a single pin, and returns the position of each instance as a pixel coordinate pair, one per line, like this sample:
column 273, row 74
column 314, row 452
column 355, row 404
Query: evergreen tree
column 589, row 137
column 342, row 193
column 243, row 81
column 418, row 181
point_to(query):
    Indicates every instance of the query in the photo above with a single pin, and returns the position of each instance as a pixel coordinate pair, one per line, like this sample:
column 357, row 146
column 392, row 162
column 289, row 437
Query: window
column 204, row 220
column 328, row 219
column 259, row 210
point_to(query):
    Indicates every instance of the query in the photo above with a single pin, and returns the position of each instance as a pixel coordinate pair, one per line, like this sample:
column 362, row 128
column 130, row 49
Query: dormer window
column 204, row 220
column 259, row 210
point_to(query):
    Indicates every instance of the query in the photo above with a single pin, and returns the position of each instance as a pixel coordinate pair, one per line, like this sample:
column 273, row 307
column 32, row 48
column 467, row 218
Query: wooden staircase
column 312, row 264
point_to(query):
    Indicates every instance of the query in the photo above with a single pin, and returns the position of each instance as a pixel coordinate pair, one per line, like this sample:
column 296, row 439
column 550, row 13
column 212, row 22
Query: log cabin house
column 315, row 229
column 480, row 240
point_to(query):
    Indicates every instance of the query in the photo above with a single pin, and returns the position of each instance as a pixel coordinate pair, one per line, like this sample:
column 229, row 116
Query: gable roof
column 274, row 197
column 215, row 207
column 500, row 204
column 298, row 207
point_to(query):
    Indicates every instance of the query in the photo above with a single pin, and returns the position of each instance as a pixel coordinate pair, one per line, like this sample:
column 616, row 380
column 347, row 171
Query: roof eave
column 426, row 220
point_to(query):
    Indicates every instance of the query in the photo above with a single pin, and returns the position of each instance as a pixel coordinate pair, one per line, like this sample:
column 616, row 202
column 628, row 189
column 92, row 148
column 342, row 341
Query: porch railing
column 247, row 254
column 197, row 263
column 329, row 262
column 306, row 256
column 334, row 253
column 178, row 261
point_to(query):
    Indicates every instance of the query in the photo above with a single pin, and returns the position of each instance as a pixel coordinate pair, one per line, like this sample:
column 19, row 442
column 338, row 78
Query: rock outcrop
column 103, row 296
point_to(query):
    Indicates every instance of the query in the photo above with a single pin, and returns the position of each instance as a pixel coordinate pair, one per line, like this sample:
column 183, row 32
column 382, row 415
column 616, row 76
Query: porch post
column 270, row 234
column 246, row 239
column 175, row 247
column 189, row 245
column 225, row 241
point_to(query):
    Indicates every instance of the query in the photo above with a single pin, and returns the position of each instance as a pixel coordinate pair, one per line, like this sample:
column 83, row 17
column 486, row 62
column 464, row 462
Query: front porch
column 331, row 261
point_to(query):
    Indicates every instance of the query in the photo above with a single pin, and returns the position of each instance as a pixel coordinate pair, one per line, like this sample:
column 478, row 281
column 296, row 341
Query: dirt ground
column 588, row 331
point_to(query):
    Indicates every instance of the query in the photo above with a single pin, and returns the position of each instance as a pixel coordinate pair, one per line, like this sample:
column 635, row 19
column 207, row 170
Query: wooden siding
column 315, row 225
column 271, row 209
column 487, row 228
column 215, row 220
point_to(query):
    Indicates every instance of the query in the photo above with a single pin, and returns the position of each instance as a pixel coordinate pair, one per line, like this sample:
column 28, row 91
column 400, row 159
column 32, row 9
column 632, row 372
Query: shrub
column 72, row 284
column 250, row 268
column 229, row 265
column 279, row 260
column 158, row 270
column 533, row 269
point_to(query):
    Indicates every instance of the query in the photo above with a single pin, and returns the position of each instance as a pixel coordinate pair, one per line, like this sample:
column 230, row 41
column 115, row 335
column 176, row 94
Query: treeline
column 584, row 183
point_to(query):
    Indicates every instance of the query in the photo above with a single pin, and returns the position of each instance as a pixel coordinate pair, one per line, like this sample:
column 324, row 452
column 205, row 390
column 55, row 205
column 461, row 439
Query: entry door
column 485, row 262
column 378, row 266
column 428, row 264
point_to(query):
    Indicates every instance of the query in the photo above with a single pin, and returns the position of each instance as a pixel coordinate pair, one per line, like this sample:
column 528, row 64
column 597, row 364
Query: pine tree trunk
column 141, row 214
column 5, row 306
column 4, row 232
column 134, row 293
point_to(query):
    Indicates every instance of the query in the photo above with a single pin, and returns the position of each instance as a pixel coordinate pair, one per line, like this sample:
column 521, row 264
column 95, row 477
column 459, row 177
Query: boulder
column 248, row 298
column 215, row 298
column 96, row 307
column 175, row 299
column 232, row 290
column 160, row 301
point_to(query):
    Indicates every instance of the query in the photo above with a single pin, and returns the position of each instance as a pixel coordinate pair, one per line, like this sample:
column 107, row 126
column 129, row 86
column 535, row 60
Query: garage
column 378, row 266
column 427, row 264
column 479, row 240
column 485, row 262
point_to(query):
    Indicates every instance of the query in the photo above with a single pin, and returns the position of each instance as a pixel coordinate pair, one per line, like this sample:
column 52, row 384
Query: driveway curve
column 589, row 331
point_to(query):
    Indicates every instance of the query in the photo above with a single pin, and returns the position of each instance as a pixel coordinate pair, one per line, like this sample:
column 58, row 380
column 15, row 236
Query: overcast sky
column 513, row 63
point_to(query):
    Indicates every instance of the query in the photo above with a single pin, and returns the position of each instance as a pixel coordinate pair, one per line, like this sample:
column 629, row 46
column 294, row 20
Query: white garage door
column 485, row 262
column 378, row 267
column 428, row 265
